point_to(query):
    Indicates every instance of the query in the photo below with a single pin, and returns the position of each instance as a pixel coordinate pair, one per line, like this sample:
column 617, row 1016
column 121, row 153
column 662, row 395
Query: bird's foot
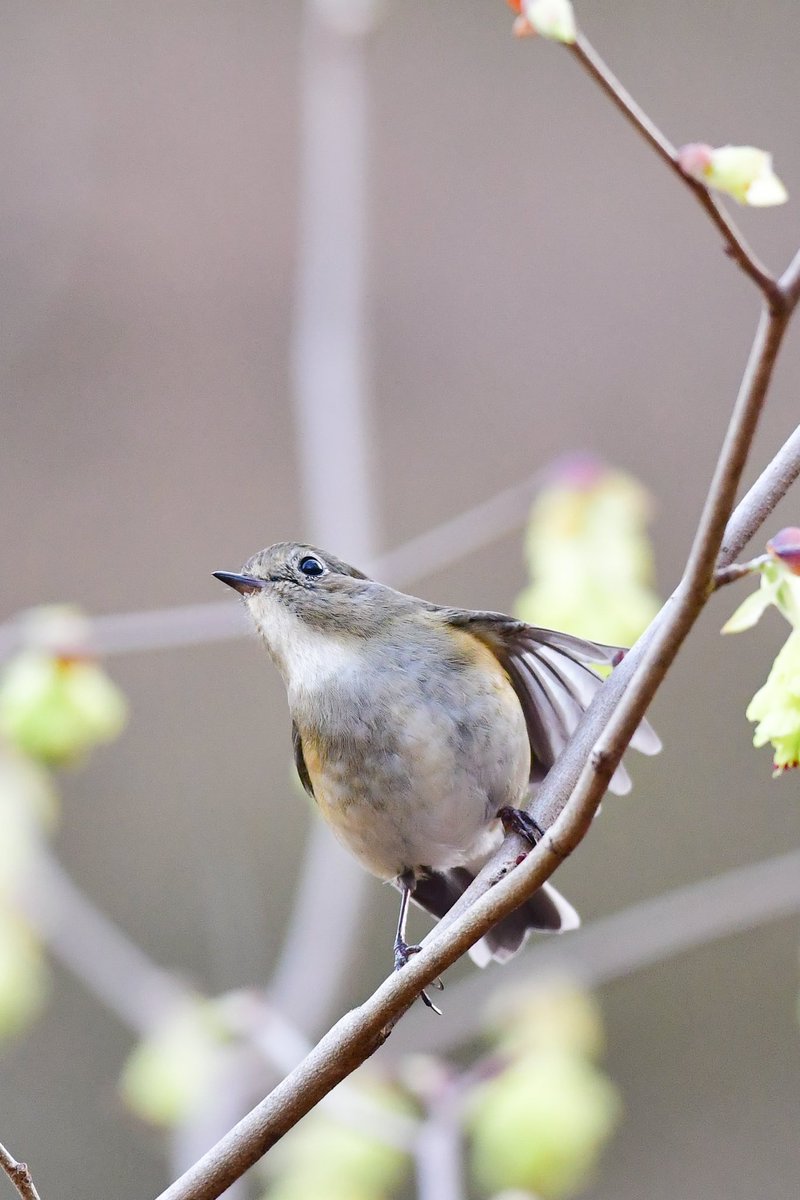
column 402, row 953
column 516, row 820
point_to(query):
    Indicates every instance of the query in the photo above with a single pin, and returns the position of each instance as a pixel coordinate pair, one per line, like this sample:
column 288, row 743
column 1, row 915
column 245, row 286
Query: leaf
column 749, row 611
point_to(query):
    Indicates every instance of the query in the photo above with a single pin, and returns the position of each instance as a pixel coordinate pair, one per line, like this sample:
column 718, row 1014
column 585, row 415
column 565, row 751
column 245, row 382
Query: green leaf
column 776, row 708
column 749, row 611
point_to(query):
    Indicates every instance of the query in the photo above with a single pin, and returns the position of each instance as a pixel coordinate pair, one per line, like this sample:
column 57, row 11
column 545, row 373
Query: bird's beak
column 245, row 584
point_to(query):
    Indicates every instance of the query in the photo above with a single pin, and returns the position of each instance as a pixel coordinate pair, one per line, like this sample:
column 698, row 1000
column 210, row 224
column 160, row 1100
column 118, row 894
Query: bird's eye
column 311, row 566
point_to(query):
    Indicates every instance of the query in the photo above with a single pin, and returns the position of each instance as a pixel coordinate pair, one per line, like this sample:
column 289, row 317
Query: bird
column 422, row 731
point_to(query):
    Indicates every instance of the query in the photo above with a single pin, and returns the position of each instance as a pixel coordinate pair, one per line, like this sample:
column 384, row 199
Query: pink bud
column 786, row 546
column 582, row 471
column 694, row 160
column 522, row 28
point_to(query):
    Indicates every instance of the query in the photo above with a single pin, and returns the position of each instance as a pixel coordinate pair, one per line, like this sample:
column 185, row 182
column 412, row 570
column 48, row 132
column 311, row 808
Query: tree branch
column 735, row 244
column 771, row 486
column 737, row 571
column 19, row 1175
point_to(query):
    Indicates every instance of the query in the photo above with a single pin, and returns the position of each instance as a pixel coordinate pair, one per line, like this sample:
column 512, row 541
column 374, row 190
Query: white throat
column 307, row 658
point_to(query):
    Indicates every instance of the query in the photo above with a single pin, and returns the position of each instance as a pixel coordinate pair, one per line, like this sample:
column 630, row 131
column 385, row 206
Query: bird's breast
column 410, row 756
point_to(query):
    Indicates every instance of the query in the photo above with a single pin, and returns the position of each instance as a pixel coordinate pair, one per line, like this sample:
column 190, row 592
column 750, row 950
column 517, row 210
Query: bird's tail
column 546, row 910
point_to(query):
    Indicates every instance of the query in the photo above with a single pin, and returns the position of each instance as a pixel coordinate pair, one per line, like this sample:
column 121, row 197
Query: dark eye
column 311, row 566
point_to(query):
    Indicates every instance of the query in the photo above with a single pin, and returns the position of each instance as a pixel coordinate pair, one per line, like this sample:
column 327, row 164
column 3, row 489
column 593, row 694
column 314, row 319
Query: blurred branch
column 438, row 1153
column 95, row 950
column 200, row 624
column 617, row 946
column 330, row 373
column 235, row 1087
column 736, row 246
column 329, row 337
column 19, row 1175
column 466, row 533
column 436, row 549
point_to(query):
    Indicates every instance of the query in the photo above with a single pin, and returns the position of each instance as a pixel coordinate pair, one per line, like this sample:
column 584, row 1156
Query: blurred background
column 343, row 272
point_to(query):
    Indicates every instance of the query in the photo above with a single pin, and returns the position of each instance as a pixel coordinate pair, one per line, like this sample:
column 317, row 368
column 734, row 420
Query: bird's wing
column 554, row 682
column 300, row 762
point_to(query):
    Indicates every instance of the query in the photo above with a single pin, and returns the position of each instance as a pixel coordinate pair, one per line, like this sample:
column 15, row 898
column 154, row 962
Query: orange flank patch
column 313, row 761
column 477, row 652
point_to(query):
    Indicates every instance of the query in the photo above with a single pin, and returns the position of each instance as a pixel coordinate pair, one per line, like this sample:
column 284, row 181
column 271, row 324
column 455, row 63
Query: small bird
column 421, row 731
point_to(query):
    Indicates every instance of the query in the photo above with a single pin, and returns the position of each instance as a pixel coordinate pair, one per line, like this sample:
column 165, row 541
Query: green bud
column 589, row 555
column 170, row 1074
column 556, row 1015
column 750, row 611
column 744, row 172
column 553, row 19
column 541, row 1125
column 776, row 707
column 56, row 709
column 327, row 1157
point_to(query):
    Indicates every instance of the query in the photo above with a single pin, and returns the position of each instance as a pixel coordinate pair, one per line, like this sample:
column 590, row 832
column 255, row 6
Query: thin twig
column 735, row 243
column 690, row 597
column 771, row 486
column 19, row 1175
column 737, row 571
column 790, row 282
column 434, row 550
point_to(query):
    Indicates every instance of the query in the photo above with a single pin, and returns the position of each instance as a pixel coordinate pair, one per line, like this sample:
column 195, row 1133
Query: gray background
column 537, row 283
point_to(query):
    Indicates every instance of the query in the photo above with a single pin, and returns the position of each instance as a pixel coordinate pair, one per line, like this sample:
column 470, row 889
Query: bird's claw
column 516, row 820
column 402, row 953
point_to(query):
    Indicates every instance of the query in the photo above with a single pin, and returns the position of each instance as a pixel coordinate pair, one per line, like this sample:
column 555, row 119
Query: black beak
column 245, row 584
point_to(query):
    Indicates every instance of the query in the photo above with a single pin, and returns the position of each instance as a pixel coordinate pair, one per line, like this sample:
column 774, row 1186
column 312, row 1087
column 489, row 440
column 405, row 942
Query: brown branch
column 19, row 1175
column 737, row 571
column 790, row 282
column 735, row 244
column 771, row 486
